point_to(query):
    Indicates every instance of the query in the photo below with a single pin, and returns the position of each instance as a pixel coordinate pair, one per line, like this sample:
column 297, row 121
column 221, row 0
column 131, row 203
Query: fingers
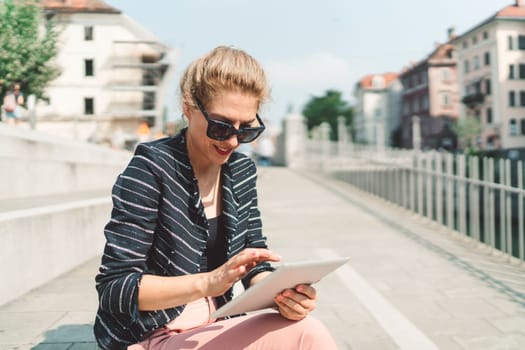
column 258, row 255
column 290, row 313
column 290, row 309
column 307, row 290
column 296, row 304
column 251, row 257
column 222, row 278
column 239, row 265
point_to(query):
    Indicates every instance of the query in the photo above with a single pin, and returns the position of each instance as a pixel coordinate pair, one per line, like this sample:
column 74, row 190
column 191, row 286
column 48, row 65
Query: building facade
column 376, row 109
column 114, row 76
column 491, row 77
column 430, row 93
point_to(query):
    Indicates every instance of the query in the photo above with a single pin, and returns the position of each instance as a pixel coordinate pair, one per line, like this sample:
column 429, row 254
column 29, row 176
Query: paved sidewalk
column 409, row 284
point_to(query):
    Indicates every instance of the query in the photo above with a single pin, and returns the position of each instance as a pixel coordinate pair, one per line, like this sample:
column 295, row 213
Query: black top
column 215, row 252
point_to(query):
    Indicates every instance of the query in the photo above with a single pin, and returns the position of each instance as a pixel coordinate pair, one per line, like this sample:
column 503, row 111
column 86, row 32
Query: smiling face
column 236, row 108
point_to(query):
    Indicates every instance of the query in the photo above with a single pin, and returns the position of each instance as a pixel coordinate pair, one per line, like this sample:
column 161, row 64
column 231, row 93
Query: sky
column 308, row 46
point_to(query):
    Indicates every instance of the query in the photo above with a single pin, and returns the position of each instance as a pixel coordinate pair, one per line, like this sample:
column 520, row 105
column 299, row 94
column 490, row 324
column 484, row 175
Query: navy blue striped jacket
column 158, row 226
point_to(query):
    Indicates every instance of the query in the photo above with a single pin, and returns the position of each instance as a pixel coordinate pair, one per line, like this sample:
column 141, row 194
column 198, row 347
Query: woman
column 185, row 227
column 13, row 102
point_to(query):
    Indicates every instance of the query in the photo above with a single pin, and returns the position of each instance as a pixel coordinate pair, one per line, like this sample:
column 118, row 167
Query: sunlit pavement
column 409, row 284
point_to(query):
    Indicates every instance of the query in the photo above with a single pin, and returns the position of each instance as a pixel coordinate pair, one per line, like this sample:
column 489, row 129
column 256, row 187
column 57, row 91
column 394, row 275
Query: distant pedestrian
column 12, row 104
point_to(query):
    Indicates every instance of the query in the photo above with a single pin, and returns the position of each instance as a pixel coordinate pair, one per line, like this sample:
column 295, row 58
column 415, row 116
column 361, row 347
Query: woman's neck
column 208, row 180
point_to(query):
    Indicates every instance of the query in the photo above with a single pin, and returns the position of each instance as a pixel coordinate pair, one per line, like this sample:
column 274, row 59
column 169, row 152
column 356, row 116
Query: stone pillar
column 342, row 135
column 380, row 136
column 324, row 129
column 324, row 133
column 294, row 140
column 416, row 133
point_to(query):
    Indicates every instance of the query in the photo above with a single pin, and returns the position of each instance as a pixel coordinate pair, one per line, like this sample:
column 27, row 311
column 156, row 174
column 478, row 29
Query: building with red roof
column 114, row 74
column 376, row 108
column 430, row 93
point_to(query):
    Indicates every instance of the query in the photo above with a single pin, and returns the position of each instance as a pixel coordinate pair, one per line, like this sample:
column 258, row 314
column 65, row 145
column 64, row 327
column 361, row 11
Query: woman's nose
column 233, row 142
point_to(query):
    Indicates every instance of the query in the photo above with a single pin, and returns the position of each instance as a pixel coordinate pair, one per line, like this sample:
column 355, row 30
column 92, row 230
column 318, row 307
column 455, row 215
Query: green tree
column 28, row 43
column 468, row 129
column 327, row 108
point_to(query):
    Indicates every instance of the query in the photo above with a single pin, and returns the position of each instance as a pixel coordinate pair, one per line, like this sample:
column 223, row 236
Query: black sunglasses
column 220, row 130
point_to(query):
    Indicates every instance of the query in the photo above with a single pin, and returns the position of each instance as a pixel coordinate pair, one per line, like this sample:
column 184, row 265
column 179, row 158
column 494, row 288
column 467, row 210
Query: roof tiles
column 366, row 81
column 73, row 6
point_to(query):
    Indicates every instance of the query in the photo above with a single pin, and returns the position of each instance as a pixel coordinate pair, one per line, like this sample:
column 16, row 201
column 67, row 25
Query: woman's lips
column 223, row 151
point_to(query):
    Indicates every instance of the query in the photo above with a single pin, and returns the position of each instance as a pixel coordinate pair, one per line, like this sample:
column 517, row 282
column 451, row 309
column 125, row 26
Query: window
column 88, row 33
column 425, row 102
column 474, row 40
column 465, row 45
column 89, row 105
column 522, row 71
column 406, row 108
column 488, row 87
column 489, row 115
column 521, row 42
column 445, row 99
column 513, row 130
column 476, row 62
column 477, row 87
column 487, row 58
column 445, row 74
column 522, row 98
column 511, row 71
column 485, row 35
column 378, row 113
column 466, row 66
column 510, row 42
column 522, row 126
column 512, row 99
column 88, row 68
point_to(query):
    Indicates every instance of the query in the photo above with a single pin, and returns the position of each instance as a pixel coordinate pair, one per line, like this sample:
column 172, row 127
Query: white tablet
column 288, row 275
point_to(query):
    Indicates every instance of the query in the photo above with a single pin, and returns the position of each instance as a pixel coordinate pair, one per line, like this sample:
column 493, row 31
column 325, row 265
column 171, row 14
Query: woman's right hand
column 225, row 276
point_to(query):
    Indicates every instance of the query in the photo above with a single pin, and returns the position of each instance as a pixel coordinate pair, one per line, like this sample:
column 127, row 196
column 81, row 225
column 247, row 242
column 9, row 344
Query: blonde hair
column 223, row 69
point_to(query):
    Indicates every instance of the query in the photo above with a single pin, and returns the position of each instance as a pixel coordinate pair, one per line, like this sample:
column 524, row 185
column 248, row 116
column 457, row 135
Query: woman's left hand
column 295, row 304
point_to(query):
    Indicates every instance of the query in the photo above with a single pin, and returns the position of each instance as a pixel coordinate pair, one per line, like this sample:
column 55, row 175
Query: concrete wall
column 36, row 164
column 54, row 203
column 41, row 243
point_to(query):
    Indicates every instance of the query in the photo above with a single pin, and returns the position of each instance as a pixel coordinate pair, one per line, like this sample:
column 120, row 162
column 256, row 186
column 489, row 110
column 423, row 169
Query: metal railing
column 481, row 198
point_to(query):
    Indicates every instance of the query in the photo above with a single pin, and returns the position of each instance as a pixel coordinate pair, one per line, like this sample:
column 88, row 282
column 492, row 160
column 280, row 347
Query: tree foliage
column 327, row 108
column 28, row 43
column 467, row 128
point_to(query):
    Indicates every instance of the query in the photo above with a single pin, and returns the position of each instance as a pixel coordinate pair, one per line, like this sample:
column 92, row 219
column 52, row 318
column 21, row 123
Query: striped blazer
column 158, row 226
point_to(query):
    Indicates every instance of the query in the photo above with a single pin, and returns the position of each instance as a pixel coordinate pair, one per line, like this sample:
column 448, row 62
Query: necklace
column 209, row 192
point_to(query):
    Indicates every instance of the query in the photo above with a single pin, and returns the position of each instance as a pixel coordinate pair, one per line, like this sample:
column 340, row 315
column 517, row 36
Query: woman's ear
column 186, row 109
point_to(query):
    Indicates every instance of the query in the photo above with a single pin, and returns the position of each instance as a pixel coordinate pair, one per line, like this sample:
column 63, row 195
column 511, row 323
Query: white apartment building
column 491, row 77
column 377, row 108
column 114, row 76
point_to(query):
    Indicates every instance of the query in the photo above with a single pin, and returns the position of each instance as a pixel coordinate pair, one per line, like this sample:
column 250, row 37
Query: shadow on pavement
column 71, row 337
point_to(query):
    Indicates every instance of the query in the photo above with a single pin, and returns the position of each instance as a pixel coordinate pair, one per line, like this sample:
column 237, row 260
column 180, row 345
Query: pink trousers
column 194, row 329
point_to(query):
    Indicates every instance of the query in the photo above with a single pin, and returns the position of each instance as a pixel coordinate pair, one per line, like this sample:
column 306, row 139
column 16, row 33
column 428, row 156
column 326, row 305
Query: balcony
column 473, row 100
